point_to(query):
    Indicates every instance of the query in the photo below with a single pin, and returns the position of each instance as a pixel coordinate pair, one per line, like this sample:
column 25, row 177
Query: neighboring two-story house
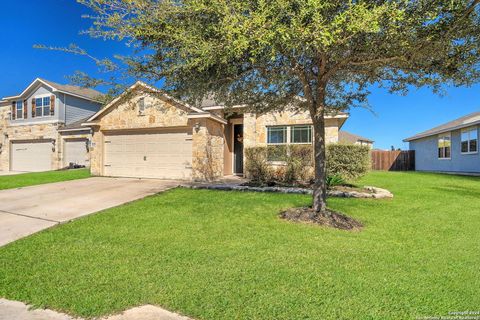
column 41, row 127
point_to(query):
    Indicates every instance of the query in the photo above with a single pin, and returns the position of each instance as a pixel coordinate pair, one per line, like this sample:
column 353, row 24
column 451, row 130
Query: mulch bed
column 331, row 219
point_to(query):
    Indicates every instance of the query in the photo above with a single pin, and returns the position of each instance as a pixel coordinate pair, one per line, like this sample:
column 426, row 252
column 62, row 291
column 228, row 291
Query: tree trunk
column 320, row 184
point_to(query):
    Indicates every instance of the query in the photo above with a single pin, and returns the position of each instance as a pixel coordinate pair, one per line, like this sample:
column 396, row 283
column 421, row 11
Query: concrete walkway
column 28, row 210
column 14, row 310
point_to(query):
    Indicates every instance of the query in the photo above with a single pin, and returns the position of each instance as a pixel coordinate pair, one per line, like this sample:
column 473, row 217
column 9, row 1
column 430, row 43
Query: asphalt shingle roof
column 462, row 122
column 76, row 125
column 347, row 137
column 84, row 92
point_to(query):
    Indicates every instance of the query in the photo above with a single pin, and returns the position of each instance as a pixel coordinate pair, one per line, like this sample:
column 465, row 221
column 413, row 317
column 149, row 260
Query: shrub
column 257, row 165
column 344, row 162
column 348, row 161
column 277, row 152
column 335, row 180
column 299, row 163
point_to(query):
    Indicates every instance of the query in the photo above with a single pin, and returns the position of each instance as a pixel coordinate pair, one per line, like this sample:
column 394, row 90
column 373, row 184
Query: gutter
column 73, row 129
column 206, row 115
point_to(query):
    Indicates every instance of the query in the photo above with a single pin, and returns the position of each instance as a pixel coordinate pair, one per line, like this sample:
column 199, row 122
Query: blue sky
column 24, row 23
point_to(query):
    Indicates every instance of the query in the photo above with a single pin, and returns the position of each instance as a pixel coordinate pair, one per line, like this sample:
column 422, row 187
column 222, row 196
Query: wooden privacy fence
column 393, row 160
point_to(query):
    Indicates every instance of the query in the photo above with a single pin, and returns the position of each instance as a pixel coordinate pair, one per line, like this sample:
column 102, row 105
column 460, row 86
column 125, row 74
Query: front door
column 238, row 148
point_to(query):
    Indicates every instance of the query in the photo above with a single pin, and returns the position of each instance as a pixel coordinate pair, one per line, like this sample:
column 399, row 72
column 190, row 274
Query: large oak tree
column 318, row 55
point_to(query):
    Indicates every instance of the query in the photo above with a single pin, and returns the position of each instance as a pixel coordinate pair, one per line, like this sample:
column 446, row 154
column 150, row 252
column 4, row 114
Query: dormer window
column 19, row 109
column 42, row 107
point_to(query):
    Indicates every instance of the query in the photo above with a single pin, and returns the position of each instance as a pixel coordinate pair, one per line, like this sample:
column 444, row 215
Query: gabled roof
column 347, row 137
column 462, row 122
column 137, row 85
column 84, row 93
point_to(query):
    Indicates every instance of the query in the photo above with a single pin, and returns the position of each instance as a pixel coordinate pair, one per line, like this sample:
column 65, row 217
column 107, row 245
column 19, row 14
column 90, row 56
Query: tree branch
column 375, row 61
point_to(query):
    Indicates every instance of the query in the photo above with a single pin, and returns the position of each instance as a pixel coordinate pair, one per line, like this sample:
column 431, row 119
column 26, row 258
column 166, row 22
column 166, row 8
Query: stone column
column 207, row 149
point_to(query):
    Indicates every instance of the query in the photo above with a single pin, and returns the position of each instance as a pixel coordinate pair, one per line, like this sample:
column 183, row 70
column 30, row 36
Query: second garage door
column 75, row 152
column 31, row 156
column 164, row 155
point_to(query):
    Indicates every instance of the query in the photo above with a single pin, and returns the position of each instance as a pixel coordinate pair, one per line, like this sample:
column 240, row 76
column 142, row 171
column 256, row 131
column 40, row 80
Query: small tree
column 316, row 55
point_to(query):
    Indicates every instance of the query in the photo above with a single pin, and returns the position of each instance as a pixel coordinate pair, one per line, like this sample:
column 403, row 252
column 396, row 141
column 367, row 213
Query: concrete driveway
column 28, row 210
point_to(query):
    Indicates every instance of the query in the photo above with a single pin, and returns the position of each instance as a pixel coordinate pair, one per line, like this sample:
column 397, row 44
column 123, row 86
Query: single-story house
column 345, row 137
column 40, row 127
column 144, row 133
column 450, row 147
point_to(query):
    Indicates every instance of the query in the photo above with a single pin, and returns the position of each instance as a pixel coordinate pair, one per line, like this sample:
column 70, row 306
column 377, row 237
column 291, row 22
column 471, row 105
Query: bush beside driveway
column 226, row 255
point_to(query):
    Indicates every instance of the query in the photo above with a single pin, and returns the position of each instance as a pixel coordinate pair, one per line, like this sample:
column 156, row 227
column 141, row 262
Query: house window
column 285, row 140
column 277, row 135
column 301, row 134
column 444, row 146
column 19, row 110
column 469, row 140
column 42, row 107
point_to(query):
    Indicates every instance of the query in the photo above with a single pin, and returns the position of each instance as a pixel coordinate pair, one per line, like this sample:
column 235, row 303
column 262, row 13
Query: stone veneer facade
column 28, row 132
column 211, row 140
column 255, row 126
column 31, row 132
column 159, row 113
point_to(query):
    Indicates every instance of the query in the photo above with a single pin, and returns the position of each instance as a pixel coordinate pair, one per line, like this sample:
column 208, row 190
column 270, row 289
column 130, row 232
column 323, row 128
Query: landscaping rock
column 374, row 192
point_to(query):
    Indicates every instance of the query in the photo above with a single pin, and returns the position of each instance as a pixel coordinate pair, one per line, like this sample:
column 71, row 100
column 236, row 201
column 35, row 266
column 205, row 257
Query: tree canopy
column 267, row 53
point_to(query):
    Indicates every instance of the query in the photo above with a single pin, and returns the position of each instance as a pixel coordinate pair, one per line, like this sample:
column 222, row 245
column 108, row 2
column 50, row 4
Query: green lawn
column 34, row 178
column 226, row 255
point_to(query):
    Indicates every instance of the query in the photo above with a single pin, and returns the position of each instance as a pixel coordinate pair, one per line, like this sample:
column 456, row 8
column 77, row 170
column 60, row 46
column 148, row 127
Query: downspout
column 65, row 108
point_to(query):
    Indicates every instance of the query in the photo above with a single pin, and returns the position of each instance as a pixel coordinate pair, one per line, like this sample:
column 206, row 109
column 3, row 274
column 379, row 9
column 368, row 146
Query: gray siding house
column 450, row 147
column 40, row 128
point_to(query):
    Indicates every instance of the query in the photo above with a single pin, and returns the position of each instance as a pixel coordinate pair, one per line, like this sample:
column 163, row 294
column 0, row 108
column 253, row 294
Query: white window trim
column 41, row 97
column 468, row 130
column 286, row 136
column 442, row 135
column 16, row 110
column 301, row 125
column 289, row 134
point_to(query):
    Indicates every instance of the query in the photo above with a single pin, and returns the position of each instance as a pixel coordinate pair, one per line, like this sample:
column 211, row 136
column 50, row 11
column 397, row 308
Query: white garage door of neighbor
column 166, row 155
column 31, row 156
column 75, row 152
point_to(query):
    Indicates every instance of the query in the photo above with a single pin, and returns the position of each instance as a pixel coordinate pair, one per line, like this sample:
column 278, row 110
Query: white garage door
column 31, row 156
column 75, row 152
column 164, row 155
